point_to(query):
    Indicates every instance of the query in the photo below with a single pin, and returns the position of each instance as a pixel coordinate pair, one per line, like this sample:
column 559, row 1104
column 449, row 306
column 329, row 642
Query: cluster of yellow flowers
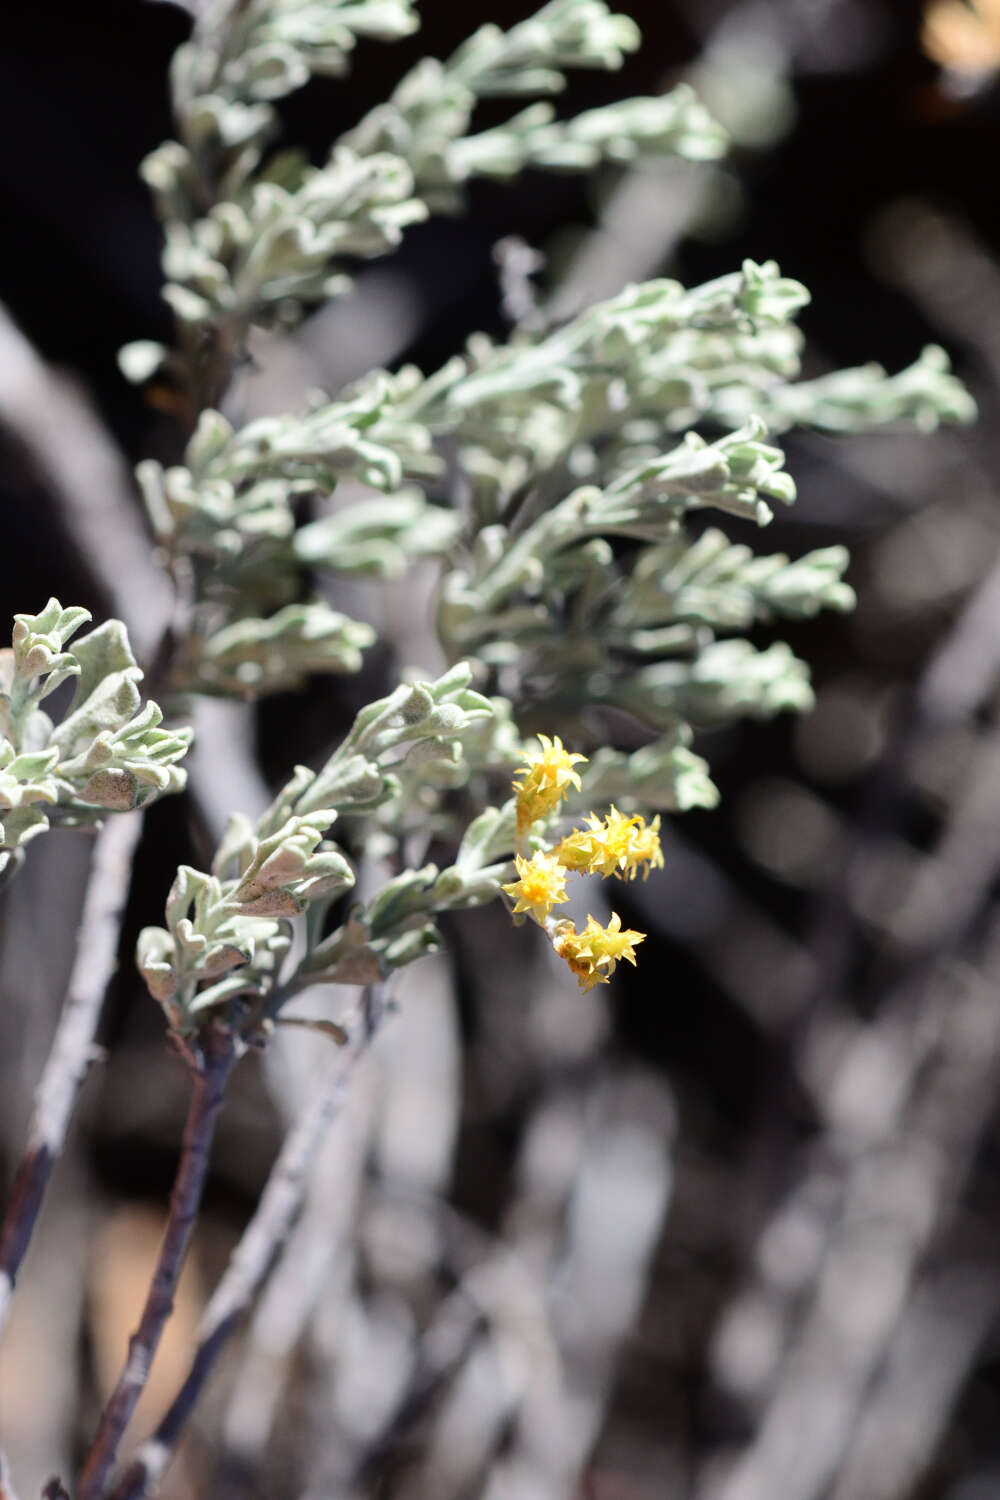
column 615, row 845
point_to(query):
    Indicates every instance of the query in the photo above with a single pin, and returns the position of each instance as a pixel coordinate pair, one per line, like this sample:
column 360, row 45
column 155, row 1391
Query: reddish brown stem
column 218, row 1060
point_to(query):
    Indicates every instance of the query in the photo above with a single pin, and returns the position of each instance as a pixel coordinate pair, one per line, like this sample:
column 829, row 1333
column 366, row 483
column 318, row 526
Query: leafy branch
column 106, row 754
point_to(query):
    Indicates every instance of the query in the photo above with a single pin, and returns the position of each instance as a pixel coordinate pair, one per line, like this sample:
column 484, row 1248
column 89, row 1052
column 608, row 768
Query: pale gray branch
column 73, row 1045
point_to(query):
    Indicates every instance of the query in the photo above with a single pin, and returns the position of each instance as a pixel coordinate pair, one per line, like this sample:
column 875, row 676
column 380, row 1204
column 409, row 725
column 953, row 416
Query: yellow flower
column 548, row 777
column 541, row 884
column 593, row 953
column 615, row 846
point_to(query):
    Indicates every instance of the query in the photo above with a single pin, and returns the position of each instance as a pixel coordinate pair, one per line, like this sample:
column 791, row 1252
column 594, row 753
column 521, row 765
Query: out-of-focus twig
column 73, row 1045
column 315, row 1266
column 901, row 1185
column 82, row 469
column 934, row 1348
column 86, row 475
column 7, row 1491
column 404, row 1118
column 596, row 1282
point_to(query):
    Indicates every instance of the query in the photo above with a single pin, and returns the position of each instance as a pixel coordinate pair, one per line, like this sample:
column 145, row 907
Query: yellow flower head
column 645, row 848
column 548, row 777
column 616, row 845
column 541, row 884
column 593, row 953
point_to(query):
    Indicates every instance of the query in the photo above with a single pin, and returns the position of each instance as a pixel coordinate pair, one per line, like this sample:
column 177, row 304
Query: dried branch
column 218, row 1060
column 259, row 1246
column 73, row 1045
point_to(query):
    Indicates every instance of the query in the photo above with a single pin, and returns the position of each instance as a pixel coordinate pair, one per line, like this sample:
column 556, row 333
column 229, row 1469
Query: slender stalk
column 258, row 1248
column 218, row 1059
column 73, row 1045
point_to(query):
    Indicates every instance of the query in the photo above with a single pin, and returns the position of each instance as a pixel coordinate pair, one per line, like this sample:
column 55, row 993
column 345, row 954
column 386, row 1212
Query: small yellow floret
column 593, row 953
column 548, row 777
column 617, row 845
column 541, row 885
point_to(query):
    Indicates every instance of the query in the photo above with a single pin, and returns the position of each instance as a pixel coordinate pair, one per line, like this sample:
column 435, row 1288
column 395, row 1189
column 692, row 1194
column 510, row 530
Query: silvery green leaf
column 675, row 123
column 493, row 833
column 606, row 392
column 359, row 775
column 141, row 359
column 731, row 474
column 710, row 581
column 857, row 400
column 268, row 71
column 378, row 537
column 208, row 935
column 210, row 438
column 186, row 305
column 25, row 783
column 217, row 994
column 106, row 695
column 21, row 824
column 170, row 175
column 126, row 767
column 214, row 123
column 273, row 49
column 237, row 847
column 255, row 656
column 291, row 861
column 346, row 956
column 399, row 899
column 352, row 782
column 106, row 754
column 233, row 502
column 529, row 57
column 460, row 888
column 283, row 805
column 663, row 775
column 426, row 119
column 154, row 957
column 725, row 681
column 38, row 642
column 111, row 787
column 416, row 942
column 277, row 903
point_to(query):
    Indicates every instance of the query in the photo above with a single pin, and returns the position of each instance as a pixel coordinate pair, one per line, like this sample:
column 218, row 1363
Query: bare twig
column 218, row 1059
column 81, row 467
column 6, row 1485
column 259, row 1246
column 73, row 1045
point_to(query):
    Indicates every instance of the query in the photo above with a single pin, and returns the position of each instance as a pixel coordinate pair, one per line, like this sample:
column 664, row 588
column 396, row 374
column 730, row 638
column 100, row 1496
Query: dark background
column 83, row 99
